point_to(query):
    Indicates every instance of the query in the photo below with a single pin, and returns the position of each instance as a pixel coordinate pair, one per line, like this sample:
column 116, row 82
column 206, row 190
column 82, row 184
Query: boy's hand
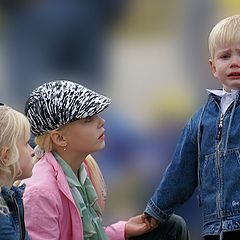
column 150, row 220
column 139, row 225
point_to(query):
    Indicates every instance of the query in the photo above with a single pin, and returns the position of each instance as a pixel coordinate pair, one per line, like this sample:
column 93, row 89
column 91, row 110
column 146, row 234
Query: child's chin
column 236, row 88
column 102, row 145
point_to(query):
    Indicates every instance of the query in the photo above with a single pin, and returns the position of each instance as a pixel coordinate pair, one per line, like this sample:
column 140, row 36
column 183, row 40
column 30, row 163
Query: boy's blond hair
column 224, row 33
column 13, row 125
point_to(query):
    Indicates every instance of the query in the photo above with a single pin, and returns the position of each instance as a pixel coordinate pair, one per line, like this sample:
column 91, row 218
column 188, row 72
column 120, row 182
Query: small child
column 15, row 164
column 207, row 155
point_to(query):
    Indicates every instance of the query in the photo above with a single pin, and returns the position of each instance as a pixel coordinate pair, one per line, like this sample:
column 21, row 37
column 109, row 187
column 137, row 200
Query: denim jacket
column 207, row 156
column 12, row 225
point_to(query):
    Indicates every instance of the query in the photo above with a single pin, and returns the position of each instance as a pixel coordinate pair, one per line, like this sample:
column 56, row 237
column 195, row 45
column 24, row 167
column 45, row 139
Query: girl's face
column 85, row 136
column 25, row 158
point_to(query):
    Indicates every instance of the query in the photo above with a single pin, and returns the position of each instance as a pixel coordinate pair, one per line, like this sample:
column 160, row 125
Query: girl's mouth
column 102, row 136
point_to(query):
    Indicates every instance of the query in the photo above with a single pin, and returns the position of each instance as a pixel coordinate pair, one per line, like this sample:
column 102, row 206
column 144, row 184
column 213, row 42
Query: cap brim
column 94, row 106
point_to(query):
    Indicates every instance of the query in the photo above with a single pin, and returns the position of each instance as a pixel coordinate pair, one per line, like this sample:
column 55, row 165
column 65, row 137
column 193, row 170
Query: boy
column 208, row 152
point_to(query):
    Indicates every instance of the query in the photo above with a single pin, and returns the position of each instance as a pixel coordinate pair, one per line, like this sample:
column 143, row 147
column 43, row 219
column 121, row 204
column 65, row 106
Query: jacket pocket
column 209, row 181
column 230, row 182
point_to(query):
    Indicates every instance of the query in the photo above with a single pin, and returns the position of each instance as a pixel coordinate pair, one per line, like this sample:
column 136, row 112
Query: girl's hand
column 151, row 220
column 139, row 225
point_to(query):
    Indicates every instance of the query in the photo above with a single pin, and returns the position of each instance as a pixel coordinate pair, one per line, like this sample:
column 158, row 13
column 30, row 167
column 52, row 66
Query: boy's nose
column 235, row 61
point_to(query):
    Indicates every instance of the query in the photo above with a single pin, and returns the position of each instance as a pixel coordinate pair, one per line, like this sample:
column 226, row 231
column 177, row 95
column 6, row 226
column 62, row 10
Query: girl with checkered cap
column 64, row 198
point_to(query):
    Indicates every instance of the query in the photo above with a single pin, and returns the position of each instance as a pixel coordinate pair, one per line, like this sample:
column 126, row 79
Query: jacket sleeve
column 181, row 177
column 116, row 231
column 41, row 214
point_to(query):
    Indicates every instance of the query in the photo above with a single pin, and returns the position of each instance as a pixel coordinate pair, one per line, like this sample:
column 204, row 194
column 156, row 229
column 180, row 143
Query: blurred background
column 149, row 56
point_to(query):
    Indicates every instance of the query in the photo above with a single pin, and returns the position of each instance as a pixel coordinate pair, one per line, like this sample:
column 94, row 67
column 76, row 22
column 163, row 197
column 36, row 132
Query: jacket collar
column 59, row 175
column 218, row 93
column 14, row 192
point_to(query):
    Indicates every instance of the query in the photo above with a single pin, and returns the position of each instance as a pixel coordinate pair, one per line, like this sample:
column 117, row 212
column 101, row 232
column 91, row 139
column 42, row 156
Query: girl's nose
column 101, row 121
column 31, row 151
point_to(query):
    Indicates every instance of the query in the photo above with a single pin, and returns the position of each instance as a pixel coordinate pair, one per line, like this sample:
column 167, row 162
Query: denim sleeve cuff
column 156, row 212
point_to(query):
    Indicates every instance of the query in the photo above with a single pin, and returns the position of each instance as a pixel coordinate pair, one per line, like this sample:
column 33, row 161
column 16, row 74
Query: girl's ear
column 4, row 155
column 212, row 66
column 58, row 139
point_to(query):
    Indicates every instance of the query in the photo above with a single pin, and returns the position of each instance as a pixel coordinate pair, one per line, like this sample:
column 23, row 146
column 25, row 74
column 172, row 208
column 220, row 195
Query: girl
column 66, row 182
column 65, row 197
column 15, row 164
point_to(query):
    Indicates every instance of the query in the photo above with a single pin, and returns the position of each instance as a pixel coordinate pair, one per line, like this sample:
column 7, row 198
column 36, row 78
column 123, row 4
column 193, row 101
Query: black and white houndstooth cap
column 59, row 102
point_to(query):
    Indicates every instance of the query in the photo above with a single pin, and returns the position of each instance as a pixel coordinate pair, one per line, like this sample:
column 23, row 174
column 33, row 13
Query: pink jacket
column 50, row 211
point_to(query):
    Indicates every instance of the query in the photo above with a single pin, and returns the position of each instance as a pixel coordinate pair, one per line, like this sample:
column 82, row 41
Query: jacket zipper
column 20, row 220
column 219, row 139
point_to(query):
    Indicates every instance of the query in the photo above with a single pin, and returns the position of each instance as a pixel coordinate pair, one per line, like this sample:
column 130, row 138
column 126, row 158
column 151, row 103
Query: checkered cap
column 59, row 102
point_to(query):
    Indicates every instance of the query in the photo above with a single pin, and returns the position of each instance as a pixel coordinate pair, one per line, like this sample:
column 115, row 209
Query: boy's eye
column 225, row 56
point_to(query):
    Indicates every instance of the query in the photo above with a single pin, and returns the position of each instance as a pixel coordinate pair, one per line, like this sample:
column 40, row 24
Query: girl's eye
column 89, row 119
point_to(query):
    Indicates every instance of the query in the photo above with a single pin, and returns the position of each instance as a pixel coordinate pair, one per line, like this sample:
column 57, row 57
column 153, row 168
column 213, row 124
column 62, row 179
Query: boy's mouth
column 234, row 74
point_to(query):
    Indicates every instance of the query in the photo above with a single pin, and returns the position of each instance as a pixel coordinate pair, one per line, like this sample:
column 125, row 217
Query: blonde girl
column 15, row 164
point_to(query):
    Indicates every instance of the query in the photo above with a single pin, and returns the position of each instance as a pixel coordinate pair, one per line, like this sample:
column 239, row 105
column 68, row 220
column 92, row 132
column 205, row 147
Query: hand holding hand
column 151, row 220
column 139, row 225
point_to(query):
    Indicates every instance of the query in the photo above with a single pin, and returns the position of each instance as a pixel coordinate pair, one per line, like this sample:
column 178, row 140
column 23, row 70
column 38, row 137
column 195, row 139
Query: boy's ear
column 4, row 155
column 59, row 139
column 212, row 66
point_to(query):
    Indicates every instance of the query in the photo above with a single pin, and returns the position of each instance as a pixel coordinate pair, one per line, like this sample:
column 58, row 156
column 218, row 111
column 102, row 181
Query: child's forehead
column 226, row 41
column 228, row 46
column 25, row 135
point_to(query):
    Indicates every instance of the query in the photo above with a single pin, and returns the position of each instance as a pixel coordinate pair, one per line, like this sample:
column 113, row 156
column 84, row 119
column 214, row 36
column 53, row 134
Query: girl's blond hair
column 224, row 33
column 13, row 125
column 97, row 179
column 44, row 142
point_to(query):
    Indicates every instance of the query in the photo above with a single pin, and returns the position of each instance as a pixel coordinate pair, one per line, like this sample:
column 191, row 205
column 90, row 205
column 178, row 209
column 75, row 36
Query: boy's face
column 226, row 66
